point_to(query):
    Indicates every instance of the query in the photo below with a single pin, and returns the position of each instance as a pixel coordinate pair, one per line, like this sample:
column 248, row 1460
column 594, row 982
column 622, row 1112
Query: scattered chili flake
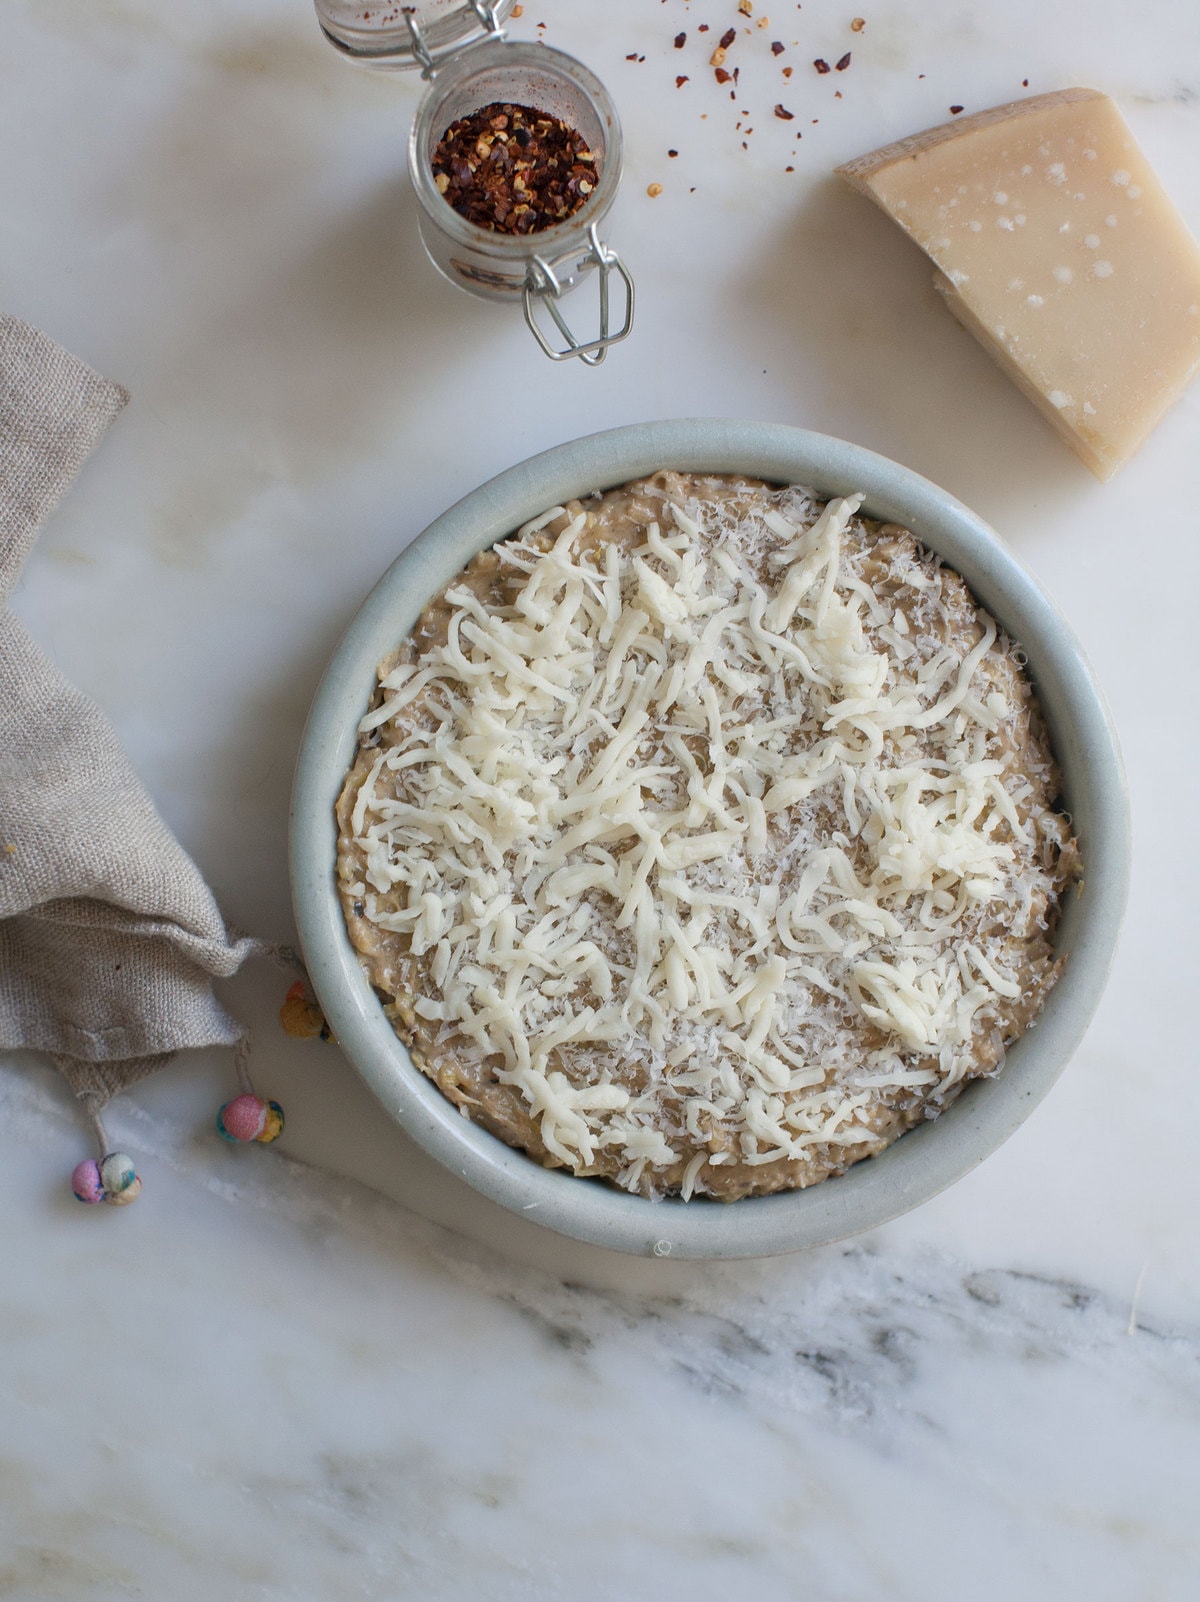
column 745, row 7
column 704, row 27
column 654, row 190
column 680, row 40
column 844, row 62
column 513, row 169
column 681, row 80
column 954, row 110
column 789, row 169
column 722, row 76
column 784, row 114
column 857, row 24
column 777, row 47
column 728, row 37
column 1024, row 83
column 633, row 57
column 821, row 64
column 787, row 72
column 672, row 152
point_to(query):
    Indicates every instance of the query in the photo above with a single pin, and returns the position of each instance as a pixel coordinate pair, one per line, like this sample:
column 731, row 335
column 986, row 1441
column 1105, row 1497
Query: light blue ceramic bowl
column 931, row 1156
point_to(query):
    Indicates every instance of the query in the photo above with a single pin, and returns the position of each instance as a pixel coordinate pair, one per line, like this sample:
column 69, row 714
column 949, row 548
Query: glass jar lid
column 416, row 34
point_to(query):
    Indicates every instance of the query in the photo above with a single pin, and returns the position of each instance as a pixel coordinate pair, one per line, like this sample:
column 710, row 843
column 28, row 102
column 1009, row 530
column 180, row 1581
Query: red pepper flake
column 633, row 57
column 513, row 169
column 777, row 47
column 789, row 169
column 722, row 76
column 728, row 37
column 672, row 152
column 784, row 114
column 680, row 40
column 844, row 62
column 954, row 110
column 787, row 72
column 681, row 80
column 704, row 27
column 821, row 65
column 857, row 24
column 1024, row 83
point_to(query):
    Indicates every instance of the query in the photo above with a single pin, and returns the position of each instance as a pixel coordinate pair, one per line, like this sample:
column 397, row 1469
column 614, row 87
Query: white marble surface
column 329, row 1370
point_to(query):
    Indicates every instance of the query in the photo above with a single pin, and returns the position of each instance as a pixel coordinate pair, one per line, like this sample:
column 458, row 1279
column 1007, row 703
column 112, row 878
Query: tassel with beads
column 111, row 1178
column 248, row 1117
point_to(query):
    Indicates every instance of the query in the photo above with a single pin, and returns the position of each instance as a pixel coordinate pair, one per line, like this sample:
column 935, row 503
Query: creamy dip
column 702, row 837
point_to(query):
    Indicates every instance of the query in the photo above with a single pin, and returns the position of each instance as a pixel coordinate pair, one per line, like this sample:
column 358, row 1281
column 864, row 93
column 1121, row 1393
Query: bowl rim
column 929, row 1157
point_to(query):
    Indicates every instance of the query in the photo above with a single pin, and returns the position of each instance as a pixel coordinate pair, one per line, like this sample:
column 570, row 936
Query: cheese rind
column 1059, row 250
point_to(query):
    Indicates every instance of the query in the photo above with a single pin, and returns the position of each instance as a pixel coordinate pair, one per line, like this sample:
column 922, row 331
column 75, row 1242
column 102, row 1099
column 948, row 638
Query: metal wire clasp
column 488, row 12
column 542, row 284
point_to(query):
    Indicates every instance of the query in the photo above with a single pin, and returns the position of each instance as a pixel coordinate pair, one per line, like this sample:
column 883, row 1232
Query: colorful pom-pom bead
column 250, row 1118
column 110, row 1180
column 87, row 1184
column 301, row 1017
column 272, row 1124
column 121, row 1184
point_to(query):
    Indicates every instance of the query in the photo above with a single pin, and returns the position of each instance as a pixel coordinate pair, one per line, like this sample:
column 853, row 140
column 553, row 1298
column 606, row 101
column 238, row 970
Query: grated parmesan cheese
column 703, row 838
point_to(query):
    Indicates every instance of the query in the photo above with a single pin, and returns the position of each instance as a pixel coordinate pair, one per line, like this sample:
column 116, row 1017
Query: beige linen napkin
column 109, row 936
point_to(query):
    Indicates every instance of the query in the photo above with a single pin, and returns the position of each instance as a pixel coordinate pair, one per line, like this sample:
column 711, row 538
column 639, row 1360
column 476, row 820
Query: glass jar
column 463, row 55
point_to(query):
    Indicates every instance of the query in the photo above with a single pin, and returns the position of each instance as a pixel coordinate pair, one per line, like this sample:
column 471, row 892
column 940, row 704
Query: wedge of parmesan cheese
column 1057, row 247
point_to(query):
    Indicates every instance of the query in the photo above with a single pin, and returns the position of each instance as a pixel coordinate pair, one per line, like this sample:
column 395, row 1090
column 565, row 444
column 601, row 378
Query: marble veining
column 386, row 1408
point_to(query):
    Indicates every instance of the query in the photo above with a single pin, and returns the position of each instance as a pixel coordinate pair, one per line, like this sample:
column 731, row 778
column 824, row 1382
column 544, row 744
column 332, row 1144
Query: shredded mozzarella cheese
column 703, row 837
